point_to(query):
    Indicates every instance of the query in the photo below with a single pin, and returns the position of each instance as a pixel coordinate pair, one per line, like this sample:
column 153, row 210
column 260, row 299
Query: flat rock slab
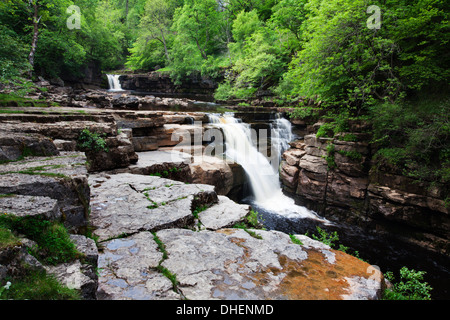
column 63, row 178
column 230, row 264
column 66, row 164
column 128, row 203
column 151, row 158
column 128, row 270
column 23, row 206
column 224, row 214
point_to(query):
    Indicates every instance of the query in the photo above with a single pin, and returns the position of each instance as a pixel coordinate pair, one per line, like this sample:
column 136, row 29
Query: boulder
column 15, row 145
column 77, row 276
column 120, row 154
column 125, row 102
column 314, row 164
column 212, row 171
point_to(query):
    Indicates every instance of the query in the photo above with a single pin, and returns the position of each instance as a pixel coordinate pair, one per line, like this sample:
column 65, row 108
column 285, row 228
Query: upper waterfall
column 114, row 83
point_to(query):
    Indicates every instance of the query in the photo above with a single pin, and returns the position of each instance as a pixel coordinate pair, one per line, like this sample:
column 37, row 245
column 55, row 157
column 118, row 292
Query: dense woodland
column 320, row 57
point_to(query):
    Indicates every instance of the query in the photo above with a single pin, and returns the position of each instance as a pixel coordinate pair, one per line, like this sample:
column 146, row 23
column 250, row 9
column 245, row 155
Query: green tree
column 343, row 62
column 197, row 26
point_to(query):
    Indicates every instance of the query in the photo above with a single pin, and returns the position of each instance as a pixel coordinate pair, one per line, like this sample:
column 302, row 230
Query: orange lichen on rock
column 317, row 279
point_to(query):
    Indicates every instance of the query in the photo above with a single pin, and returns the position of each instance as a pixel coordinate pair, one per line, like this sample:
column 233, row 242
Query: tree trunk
column 35, row 37
column 165, row 46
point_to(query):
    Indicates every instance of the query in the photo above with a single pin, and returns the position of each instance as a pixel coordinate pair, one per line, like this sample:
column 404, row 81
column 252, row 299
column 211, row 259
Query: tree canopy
column 293, row 50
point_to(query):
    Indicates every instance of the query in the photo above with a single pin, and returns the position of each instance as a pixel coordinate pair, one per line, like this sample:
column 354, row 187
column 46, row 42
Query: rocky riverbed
column 163, row 224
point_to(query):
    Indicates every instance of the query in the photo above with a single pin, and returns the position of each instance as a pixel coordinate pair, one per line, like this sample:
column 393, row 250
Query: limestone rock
column 73, row 276
column 168, row 164
column 212, row 171
column 121, row 154
column 293, row 156
column 289, row 175
column 231, row 264
column 313, row 164
column 86, row 246
column 127, row 203
column 128, row 270
column 15, row 145
column 34, row 206
column 226, row 213
column 62, row 178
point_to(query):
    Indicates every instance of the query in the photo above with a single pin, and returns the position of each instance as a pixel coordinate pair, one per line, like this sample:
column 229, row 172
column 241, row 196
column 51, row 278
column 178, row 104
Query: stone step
column 30, row 206
column 62, row 178
column 129, row 203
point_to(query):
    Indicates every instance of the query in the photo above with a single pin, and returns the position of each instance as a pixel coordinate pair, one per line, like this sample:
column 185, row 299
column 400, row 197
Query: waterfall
column 281, row 136
column 263, row 176
column 114, row 83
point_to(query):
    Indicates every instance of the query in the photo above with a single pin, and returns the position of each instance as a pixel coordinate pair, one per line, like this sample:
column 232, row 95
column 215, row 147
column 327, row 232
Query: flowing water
column 114, row 83
column 241, row 147
column 279, row 212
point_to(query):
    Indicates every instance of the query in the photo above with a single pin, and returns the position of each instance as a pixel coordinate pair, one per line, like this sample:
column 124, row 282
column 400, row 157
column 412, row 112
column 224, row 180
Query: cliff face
column 156, row 82
column 341, row 181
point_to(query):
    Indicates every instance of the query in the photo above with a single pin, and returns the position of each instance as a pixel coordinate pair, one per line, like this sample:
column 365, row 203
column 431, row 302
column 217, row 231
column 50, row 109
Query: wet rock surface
column 229, row 264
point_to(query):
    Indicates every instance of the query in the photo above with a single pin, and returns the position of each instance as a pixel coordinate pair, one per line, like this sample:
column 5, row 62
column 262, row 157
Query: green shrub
column 354, row 155
column 92, row 141
column 303, row 113
column 38, row 285
column 53, row 240
column 410, row 287
column 326, row 131
column 223, row 91
column 330, row 157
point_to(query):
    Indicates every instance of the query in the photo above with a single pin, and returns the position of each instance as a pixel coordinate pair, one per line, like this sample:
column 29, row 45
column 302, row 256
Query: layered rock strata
column 339, row 180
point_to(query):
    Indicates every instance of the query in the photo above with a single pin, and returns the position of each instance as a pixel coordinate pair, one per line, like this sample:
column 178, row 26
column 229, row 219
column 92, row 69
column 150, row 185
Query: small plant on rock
column 91, row 141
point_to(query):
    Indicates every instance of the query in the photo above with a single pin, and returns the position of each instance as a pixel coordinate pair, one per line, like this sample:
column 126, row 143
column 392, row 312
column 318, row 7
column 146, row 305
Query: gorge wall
column 343, row 182
column 155, row 82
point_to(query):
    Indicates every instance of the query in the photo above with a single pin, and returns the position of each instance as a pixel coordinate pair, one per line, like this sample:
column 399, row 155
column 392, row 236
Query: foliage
column 344, row 62
column 7, row 238
column 304, row 112
column 54, row 244
column 410, row 286
column 92, row 141
column 330, row 239
column 295, row 240
column 38, row 285
column 414, row 137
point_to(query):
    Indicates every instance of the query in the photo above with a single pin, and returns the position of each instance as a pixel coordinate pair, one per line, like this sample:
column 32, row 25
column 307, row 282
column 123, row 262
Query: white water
column 263, row 175
column 114, row 83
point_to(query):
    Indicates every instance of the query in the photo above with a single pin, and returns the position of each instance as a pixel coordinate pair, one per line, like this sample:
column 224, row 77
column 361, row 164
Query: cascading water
column 281, row 136
column 263, row 177
column 114, row 83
